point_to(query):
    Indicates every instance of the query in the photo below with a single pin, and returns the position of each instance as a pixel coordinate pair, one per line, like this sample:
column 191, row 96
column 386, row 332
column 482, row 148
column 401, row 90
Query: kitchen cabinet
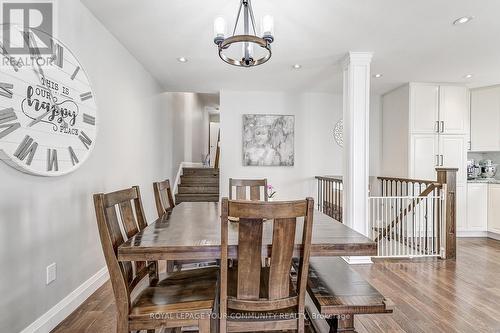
column 485, row 119
column 453, row 109
column 424, row 155
column 494, row 208
column 425, row 126
column 441, row 109
column 424, row 105
column 477, row 208
column 453, row 154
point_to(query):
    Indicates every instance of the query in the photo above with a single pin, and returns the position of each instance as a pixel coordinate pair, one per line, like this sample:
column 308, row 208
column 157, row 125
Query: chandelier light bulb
column 219, row 27
column 267, row 26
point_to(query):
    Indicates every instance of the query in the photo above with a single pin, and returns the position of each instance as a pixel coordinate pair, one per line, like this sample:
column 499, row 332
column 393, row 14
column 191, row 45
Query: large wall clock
column 48, row 113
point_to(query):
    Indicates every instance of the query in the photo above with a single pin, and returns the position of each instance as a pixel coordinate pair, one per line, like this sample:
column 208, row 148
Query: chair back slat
column 273, row 289
column 139, row 211
column 163, row 197
column 129, row 222
column 254, row 185
column 281, row 258
column 241, row 193
column 255, row 193
column 249, row 258
column 113, row 226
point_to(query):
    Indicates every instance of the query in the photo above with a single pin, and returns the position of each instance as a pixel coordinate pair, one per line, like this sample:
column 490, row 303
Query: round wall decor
column 48, row 113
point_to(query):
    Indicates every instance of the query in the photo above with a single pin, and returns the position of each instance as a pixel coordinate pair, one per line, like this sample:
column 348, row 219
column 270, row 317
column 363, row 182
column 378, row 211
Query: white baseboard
column 465, row 234
column 493, row 235
column 358, row 260
column 49, row 320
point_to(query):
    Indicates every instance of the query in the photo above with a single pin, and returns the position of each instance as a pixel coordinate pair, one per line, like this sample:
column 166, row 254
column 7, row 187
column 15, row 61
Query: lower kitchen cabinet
column 494, row 208
column 477, row 208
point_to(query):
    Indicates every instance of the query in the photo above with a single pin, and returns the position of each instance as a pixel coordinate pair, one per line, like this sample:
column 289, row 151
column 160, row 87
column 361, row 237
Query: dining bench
column 339, row 293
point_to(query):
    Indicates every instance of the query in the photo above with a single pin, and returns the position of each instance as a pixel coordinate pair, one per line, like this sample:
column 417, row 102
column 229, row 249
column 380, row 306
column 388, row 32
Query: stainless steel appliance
column 488, row 169
column 473, row 169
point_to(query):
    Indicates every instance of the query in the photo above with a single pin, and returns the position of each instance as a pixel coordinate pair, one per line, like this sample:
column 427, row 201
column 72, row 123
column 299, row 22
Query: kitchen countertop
column 483, row 181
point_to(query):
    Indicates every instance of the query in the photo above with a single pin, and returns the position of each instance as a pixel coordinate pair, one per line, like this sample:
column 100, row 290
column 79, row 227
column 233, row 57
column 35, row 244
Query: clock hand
column 38, row 119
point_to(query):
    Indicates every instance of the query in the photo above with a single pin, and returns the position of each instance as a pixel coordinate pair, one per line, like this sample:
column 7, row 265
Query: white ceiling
column 411, row 40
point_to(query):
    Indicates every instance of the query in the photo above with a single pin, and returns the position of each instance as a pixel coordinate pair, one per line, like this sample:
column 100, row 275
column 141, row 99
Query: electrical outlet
column 51, row 273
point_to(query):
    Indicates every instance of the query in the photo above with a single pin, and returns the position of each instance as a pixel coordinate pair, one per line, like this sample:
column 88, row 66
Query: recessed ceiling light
column 468, row 76
column 462, row 20
column 297, row 66
column 378, row 76
column 182, row 59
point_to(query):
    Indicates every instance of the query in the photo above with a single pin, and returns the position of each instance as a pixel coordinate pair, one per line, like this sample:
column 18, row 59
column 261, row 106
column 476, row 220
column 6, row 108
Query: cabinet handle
column 437, row 160
column 442, row 126
column 437, row 126
column 442, row 160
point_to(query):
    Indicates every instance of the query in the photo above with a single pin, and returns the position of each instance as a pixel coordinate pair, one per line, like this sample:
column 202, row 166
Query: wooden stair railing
column 431, row 188
column 330, row 196
column 217, row 152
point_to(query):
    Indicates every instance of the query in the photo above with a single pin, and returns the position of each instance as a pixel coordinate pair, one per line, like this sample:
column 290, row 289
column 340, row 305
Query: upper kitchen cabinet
column 424, row 108
column 485, row 119
column 438, row 109
column 453, row 109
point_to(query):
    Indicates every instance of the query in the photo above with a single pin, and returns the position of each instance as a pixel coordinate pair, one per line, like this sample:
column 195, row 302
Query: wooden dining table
column 192, row 231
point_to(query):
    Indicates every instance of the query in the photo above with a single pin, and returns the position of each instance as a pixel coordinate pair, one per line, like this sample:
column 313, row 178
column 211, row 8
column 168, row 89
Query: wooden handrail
column 334, row 178
column 217, row 152
column 408, row 180
column 432, row 186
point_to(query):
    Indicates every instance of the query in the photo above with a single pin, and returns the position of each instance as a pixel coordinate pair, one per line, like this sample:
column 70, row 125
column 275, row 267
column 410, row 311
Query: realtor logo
column 33, row 19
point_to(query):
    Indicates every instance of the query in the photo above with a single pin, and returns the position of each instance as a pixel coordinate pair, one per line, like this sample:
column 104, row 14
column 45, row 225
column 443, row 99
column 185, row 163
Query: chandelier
column 247, row 49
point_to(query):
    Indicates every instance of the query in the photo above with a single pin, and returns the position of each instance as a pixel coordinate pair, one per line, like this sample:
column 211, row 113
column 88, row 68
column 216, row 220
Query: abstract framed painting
column 268, row 140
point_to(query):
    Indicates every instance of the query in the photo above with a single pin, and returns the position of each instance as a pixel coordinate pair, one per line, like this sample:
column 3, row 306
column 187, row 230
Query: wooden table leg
column 333, row 323
column 346, row 324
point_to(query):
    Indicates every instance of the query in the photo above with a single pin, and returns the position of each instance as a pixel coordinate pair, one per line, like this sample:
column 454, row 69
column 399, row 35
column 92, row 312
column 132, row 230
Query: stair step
column 200, row 172
column 199, row 180
column 194, row 189
column 196, row 198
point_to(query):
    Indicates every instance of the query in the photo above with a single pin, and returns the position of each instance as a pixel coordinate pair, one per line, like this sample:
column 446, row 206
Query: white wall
column 190, row 126
column 47, row 220
column 316, row 152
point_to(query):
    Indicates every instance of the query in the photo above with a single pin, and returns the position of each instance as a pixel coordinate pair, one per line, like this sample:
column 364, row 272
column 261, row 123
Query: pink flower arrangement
column 270, row 191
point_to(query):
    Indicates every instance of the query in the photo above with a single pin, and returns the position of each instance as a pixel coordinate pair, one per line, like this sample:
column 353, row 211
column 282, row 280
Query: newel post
column 448, row 176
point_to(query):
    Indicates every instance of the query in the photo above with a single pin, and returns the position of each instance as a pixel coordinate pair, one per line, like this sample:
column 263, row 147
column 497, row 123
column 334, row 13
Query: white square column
column 356, row 109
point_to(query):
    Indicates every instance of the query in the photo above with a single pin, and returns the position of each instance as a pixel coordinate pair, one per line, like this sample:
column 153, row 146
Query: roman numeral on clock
column 8, row 116
column 86, row 96
column 74, row 159
column 52, row 163
column 6, row 89
column 75, row 72
column 58, row 55
column 27, row 148
column 87, row 142
column 88, row 119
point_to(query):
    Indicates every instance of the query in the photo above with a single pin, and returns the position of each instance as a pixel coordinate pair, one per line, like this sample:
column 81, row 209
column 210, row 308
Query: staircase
column 198, row 184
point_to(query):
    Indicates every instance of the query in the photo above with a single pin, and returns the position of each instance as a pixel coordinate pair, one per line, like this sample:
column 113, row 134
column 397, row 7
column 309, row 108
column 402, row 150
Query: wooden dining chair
column 164, row 205
column 254, row 297
column 163, row 197
column 182, row 299
column 241, row 186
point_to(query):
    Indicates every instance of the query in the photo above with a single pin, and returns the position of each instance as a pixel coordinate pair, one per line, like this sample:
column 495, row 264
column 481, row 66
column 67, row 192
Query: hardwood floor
column 428, row 296
column 439, row 296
